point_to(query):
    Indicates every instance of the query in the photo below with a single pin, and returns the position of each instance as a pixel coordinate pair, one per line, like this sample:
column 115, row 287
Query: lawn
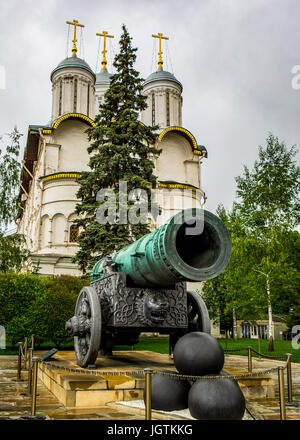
column 280, row 347
column 161, row 345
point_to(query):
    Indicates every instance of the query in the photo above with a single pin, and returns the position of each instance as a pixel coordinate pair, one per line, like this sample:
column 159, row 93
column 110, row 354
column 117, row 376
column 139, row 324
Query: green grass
column 161, row 345
column 280, row 347
column 44, row 346
column 158, row 344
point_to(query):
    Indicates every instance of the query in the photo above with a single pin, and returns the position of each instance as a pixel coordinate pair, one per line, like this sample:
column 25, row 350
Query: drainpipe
column 41, row 188
column 200, row 179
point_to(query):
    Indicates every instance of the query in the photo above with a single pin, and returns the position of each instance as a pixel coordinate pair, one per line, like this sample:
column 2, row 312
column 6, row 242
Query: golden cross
column 160, row 36
column 105, row 35
column 75, row 24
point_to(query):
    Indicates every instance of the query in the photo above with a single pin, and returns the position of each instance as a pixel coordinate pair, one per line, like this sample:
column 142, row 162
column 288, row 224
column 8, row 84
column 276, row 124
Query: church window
column 168, row 108
column 74, row 232
column 60, row 98
column 75, row 96
column 153, row 109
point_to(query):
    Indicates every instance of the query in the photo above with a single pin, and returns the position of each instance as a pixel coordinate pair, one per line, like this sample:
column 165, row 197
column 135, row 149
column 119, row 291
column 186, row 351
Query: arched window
column 58, row 229
column 153, row 109
column 75, row 96
column 168, row 108
column 60, row 98
column 74, row 232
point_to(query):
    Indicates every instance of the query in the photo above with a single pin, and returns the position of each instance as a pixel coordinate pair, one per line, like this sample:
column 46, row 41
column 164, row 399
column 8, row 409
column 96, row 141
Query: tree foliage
column 269, row 194
column 263, row 273
column 12, row 253
column 10, row 169
column 121, row 149
column 30, row 304
column 12, row 249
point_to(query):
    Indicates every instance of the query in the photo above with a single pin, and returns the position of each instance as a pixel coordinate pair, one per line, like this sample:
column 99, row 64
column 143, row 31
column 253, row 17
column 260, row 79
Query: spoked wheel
column 198, row 318
column 86, row 327
column 197, row 314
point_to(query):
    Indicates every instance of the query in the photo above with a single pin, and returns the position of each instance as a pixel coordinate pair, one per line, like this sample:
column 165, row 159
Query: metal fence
column 31, row 363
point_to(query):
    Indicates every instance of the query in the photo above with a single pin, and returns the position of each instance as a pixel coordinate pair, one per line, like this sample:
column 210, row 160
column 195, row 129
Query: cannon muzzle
column 194, row 245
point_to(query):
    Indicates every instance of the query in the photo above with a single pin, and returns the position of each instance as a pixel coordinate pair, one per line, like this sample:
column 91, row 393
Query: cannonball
column 168, row 393
column 198, row 354
column 216, row 399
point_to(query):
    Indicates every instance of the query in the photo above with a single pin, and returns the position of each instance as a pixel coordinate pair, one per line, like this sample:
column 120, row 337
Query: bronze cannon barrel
column 193, row 245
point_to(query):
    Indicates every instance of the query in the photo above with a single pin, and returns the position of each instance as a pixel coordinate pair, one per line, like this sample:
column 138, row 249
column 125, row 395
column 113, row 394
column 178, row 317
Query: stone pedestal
column 77, row 389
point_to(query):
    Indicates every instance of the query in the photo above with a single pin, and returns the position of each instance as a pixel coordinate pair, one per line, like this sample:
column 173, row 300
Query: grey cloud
column 233, row 57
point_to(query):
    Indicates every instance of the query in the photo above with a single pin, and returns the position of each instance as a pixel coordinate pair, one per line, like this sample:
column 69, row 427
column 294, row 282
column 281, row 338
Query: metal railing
column 280, row 369
column 26, row 354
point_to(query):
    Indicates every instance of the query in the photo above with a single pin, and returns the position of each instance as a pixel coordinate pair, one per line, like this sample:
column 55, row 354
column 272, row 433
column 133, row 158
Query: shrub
column 31, row 304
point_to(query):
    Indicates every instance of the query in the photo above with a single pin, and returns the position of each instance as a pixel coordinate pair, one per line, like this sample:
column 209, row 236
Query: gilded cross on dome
column 105, row 35
column 161, row 37
column 75, row 23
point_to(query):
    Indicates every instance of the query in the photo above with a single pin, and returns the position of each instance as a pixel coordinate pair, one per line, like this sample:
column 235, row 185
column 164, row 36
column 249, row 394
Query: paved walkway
column 13, row 402
column 268, row 409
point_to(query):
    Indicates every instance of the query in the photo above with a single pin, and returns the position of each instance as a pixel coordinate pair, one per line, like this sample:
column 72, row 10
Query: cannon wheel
column 198, row 318
column 197, row 314
column 88, row 311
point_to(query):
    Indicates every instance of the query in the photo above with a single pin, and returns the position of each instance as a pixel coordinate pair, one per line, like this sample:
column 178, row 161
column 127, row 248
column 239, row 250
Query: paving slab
column 14, row 404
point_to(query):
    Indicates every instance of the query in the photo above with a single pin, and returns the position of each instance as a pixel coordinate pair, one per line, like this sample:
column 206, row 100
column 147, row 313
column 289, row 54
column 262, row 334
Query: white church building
column 56, row 154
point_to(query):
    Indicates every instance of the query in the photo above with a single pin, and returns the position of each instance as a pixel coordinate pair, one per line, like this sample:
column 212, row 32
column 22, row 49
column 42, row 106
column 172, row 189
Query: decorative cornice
column 68, row 175
column 182, row 131
column 197, row 149
column 73, row 115
column 175, row 185
column 68, row 116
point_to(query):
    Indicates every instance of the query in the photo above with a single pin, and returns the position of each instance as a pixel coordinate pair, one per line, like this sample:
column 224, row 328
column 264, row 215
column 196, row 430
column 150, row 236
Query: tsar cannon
column 143, row 287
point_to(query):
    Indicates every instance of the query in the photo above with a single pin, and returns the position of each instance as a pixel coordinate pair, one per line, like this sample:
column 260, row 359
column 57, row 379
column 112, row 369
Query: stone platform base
column 76, row 389
column 262, row 387
column 81, row 390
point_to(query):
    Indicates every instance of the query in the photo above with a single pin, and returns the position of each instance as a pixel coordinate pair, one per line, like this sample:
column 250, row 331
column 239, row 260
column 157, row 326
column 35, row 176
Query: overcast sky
column 233, row 57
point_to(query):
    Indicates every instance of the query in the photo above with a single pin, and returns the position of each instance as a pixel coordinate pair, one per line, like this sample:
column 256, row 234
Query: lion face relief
column 156, row 308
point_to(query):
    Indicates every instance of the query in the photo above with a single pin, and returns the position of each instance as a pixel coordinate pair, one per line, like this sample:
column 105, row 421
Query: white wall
column 66, row 77
column 73, row 141
column 177, row 161
column 160, row 89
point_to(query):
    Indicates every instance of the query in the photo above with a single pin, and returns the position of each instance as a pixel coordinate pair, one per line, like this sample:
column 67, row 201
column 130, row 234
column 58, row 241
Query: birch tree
column 269, row 202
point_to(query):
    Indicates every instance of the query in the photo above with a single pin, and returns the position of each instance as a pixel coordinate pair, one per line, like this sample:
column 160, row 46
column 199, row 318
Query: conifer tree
column 121, row 149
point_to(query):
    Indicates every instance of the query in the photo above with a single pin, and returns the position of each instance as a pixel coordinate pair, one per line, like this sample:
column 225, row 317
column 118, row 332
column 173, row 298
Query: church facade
column 56, row 154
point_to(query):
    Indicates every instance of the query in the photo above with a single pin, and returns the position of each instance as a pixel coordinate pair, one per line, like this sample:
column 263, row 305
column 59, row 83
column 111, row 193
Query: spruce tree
column 121, row 149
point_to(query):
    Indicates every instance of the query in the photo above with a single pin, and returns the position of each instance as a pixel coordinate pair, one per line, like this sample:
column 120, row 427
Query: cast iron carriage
column 143, row 287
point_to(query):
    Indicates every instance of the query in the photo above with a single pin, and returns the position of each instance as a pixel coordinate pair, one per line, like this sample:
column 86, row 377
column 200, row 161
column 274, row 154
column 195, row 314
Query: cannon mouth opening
column 199, row 251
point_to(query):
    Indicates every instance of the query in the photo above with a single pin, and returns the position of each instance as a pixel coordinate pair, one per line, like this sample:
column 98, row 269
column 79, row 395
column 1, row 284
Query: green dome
column 162, row 75
column 72, row 62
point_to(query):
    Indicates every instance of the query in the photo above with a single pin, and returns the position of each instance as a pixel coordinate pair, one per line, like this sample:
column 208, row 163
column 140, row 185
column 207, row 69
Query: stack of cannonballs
column 215, row 398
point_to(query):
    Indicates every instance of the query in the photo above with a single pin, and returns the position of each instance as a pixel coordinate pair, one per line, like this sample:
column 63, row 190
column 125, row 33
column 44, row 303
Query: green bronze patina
column 168, row 255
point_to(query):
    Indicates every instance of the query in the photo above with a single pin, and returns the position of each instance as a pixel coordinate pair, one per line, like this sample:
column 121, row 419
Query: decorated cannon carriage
column 143, row 287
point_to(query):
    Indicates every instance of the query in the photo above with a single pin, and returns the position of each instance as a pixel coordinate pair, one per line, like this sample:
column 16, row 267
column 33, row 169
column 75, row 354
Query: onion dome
column 162, row 75
column 103, row 77
column 73, row 62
